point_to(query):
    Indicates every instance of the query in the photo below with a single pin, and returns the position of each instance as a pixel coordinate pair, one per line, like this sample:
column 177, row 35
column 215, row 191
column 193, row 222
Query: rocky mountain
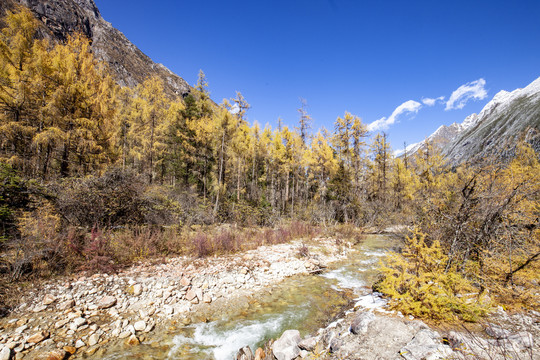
column 509, row 116
column 128, row 64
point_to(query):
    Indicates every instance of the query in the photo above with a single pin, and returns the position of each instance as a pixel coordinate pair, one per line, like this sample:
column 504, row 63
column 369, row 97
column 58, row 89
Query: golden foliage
column 420, row 283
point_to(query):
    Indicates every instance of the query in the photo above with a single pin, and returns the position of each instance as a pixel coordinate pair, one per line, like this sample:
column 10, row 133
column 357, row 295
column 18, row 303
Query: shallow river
column 300, row 302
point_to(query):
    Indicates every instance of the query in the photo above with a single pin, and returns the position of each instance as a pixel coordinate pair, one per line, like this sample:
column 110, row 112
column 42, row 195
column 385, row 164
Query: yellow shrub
column 419, row 284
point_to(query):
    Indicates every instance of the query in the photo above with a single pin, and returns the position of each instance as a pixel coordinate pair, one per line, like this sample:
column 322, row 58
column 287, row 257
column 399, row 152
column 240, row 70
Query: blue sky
column 371, row 58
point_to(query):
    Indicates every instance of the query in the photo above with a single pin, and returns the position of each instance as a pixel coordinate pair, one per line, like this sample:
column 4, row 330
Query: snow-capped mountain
column 507, row 117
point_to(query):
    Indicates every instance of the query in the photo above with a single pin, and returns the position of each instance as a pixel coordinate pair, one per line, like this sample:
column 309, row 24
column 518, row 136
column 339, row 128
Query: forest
column 95, row 176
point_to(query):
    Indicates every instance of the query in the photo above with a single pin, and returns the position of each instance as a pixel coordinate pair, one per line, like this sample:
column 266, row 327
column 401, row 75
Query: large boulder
column 286, row 347
column 426, row 345
column 361, row 322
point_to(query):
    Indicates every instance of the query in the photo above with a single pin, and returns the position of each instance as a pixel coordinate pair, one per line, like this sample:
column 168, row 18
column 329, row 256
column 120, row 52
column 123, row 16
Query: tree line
column 65, row 123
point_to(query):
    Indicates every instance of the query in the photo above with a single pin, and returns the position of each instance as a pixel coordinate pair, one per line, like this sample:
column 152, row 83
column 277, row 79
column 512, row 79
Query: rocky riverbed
column 369, row 332
column 86, row 315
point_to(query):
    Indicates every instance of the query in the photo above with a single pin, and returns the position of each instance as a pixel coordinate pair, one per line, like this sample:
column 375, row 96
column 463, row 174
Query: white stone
column 137, row 289
column 93, row 339
column 49, row 299
column 140, row 325
column 79, row 344
column 5, row 353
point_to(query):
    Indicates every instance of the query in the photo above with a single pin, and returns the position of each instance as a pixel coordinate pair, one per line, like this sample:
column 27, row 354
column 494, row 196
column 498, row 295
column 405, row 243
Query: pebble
column 38, row 337
column 49, row 299
column 93, row 339
column 140, row 325
column 68, row 304
column 79, row 344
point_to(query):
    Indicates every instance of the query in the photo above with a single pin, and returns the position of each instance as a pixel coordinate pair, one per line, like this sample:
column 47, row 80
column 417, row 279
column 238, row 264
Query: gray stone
column 361, row 322
column 522, row 340
column 425, row 345
column 497, row 332
column 308, row 344
column 286, row 347
column 335, row 345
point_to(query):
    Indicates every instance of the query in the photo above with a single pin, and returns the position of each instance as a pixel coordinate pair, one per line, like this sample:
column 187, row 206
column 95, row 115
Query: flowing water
column 302, row 302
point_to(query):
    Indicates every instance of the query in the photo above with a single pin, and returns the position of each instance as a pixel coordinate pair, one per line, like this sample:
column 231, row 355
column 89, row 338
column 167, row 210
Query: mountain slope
column 129, row 65
column 493, row 131
column 499, row 125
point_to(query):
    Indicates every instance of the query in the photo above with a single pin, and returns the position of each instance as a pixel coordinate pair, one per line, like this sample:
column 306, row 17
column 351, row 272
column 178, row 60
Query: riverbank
column 370, row 332
column 84, row 316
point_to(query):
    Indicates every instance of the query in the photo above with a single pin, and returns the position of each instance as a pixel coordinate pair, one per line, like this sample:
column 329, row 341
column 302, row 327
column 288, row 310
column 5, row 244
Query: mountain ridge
column 128, row 64
column 509, row 115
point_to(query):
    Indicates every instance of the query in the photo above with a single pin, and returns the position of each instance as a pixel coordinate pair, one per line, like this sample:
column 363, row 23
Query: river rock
column 77, row 322
column 79, row 344
column 184, row 281
column 60, row 323
column 40, row 308
column 68, row 304
column 140, row 325
column 93, row 339
column 335, row 345
column 124, row 334
column 58, row 354
column 426, row 344
column 244, row 353
column 48, row 299
column 361, row 322
column 21, row 329
column 107, row 302
column 70, row 349
column 286, row 347
column 190, row 295
column 132, row 341
column 5, row 353
column 38, row 337
column 137, row 289
column 497, row 332
column 308, row 344
column 522, row 340
column 259, row 354
column 199, row 293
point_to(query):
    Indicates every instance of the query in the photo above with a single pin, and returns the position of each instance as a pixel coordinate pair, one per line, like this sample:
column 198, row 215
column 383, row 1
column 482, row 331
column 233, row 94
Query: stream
column 303, row 302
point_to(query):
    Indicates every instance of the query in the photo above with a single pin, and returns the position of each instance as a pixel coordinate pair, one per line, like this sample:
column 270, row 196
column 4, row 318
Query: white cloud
column 431, row 101
column 410, row 106
column 473, row 90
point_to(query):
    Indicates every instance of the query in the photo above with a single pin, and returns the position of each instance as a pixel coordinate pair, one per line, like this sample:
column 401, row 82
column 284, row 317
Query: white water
column 345, row 280
column 220, row 344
